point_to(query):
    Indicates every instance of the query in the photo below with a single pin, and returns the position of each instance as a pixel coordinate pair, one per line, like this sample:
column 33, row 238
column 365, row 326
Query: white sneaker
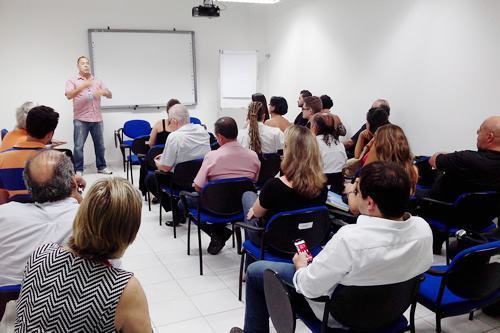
column 79, row 173
column 105, row 171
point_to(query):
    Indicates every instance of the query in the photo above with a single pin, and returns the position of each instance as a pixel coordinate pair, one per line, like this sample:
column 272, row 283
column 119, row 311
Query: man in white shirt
column 51, row 180
column 186, row 143
column 386, row 246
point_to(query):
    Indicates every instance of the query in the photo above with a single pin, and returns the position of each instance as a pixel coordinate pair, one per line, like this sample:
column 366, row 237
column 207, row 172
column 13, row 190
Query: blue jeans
column 247, row 200
column 256, row 314
column 81, row 131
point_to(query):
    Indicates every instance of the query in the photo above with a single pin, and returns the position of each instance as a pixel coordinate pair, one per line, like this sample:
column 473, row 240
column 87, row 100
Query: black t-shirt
column 466, row 171
column 299, row 120
column 277, row 197
column 354, row 138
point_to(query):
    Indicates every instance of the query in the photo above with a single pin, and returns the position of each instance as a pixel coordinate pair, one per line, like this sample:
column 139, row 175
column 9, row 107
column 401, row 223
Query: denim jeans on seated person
column 80, row 134
column 256, row 313
column 248, row 199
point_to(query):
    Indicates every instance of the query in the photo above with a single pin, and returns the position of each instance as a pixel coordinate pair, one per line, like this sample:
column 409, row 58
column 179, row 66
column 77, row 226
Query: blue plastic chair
column 219, row 202
column 376, row 309
column 473, row 210
column 279, row 233
column 194, row 120
column 471, row 281
column 131, row 129
column 4, row 132
column 8, row 293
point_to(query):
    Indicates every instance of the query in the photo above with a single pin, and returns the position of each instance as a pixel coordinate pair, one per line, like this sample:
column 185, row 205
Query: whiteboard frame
column 144, row 106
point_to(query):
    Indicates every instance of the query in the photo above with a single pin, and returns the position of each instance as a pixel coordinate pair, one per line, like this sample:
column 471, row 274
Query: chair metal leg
column 131, row 172
column 471, row 315
column 149, row 199
column 232, row 229
column 174, row 216
column 240, row 284
column 412, row 317
column 127, row 171
column 189, row 237
column 199, row 249
column 447, row 243
column 438, row 323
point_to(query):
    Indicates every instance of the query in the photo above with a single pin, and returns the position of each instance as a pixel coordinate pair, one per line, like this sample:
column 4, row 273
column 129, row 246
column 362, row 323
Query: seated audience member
column 258, row 97
column 187, row 142
column 231, row 160
column 467, row 170
column 351, row 143
column 327, row 103
column 389, row 145
column 299, row 120
column 105, row 225
column 54, row 187
column 312, row 105
column 41, row 122
column 375, row 117
column 19, row 134
column 278, row 107
column 385, row 246
column 332, row 151
column 302, row 184
column 258, row 137
column 162, row 128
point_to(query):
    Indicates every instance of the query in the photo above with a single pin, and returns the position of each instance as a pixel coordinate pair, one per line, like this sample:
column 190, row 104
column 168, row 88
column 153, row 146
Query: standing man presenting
column 86, row 92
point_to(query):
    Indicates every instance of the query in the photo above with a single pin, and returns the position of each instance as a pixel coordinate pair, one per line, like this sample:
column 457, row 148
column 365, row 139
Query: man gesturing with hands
column 86, row 91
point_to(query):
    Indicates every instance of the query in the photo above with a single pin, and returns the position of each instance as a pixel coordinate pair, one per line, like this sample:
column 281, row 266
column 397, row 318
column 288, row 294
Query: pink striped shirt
column 86, row 106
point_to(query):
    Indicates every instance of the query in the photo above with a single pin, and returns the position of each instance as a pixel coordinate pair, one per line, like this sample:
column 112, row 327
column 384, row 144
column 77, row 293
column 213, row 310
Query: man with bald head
column 50, row 178
column 467, row 170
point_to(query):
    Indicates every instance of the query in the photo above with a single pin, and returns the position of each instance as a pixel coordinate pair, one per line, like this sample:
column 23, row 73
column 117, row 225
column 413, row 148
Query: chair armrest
column 189, row 194
column 436, row 272
column 322, row 299
column 249, row 227
column 439, row 202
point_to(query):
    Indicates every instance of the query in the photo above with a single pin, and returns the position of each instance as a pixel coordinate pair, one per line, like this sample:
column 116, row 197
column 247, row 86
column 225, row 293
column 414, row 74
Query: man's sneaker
column 105, row 171
column 79, row 173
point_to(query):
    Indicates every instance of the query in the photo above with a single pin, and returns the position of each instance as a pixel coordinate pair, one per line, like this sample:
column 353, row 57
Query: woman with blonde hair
column 302, row 185
column 75, row 288
column 258, row 137
column 389, row 145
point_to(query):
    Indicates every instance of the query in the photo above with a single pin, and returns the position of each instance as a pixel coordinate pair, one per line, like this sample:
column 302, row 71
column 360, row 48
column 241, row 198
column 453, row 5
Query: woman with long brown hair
column 258, row 137
column 302, row 185
column 389, row 145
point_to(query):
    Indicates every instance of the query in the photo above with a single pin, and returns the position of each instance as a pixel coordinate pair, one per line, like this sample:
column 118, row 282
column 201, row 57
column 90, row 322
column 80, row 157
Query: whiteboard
column 144, row 68
column 238, row 78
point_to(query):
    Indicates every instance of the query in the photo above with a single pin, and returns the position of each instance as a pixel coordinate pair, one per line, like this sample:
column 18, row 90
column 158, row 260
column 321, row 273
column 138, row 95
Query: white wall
column 435, row 61
column 41, row 40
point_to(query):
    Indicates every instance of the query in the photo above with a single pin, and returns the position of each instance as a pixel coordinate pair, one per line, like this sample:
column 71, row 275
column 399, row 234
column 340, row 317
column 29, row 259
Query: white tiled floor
column 180, row 300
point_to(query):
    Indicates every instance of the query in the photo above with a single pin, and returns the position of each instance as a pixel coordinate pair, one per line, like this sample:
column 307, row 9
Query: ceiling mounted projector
column 208, row 9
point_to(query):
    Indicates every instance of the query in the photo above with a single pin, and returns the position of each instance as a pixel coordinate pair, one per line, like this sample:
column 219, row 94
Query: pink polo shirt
column 86, row 106
column 231, row 160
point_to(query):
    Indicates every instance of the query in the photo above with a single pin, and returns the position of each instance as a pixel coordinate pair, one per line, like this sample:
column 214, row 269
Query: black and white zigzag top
column 62, row 292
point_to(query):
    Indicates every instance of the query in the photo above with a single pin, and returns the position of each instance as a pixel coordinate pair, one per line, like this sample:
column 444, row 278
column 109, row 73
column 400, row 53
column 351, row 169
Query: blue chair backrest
column 185, row 172
column 4, row 132
column 474, row 273
column 223, row 197
column 269, row 167
column 477, row 208
column 8, row 293
column 152, row 153
column 135, row 128
column 310, row 224
column 194, row 120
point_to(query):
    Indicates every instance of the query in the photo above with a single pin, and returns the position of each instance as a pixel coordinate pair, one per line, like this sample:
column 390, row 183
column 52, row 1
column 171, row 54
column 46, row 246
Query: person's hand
column 55, row 143
column 101, row 92
column 366, row 135
column 80, row 183
column 87, row 84
column 250, row 214
column 300, row 260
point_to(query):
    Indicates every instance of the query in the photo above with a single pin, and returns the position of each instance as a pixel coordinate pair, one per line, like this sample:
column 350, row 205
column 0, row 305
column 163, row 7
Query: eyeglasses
column 356, row 189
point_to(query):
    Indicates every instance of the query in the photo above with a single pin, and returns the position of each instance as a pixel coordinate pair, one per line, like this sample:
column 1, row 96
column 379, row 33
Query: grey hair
column 22, row 112
column 59, row 186
column 180, row 113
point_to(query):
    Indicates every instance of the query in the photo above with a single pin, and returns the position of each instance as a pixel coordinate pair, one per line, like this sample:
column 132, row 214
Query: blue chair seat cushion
column 134, row 159
column 452, row 230
column 206, row 217
column 451, row 304
column 254, row 251
column 315, row 326
column 127, row 143
column 169, row 191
